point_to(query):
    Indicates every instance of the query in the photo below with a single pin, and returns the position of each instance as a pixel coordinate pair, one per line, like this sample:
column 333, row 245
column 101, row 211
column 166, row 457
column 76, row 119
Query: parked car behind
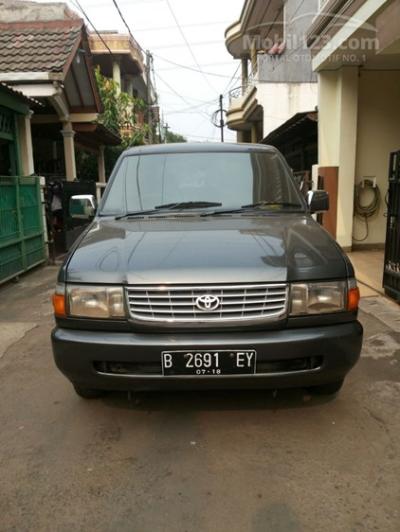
column 203, row 268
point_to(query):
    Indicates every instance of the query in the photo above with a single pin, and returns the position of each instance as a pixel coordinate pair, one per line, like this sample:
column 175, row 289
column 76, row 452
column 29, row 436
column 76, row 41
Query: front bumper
column 79, row 354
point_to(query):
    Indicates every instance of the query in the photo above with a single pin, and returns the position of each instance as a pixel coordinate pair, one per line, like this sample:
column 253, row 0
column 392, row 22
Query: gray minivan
column 203, row 268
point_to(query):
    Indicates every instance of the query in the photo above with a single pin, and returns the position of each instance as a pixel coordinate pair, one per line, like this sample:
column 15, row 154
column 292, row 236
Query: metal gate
column 63, row 229
column 391, row 275
column 21, row 229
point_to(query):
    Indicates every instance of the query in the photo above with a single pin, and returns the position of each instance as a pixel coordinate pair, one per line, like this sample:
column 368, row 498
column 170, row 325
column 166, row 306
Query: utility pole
column 149, row 59
column 166, row 127
column 218, row 117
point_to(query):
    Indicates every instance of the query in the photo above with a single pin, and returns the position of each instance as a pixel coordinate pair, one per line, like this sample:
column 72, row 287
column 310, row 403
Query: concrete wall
column 378, row 135
column 281, row 101
column 12, row 11
column 294, row 65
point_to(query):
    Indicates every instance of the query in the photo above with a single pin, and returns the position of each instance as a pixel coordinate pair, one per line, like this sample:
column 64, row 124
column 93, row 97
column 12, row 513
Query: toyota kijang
column 202, row 268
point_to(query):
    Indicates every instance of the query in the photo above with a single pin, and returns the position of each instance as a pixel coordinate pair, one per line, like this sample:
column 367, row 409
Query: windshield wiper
column 132, row 214
column 189, row 205
column 170, row 207
column 251, row 206
column 269, row 203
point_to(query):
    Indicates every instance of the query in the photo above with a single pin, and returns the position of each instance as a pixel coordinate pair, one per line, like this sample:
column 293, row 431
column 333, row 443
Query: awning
column 299, row 125
column 93, row 135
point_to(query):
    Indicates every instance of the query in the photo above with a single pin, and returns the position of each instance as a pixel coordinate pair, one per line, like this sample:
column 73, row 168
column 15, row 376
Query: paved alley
column 229, row 461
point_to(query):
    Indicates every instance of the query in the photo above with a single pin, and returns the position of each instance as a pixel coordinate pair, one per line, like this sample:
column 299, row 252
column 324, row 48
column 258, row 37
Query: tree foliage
column 121, row 112
column 172, row 137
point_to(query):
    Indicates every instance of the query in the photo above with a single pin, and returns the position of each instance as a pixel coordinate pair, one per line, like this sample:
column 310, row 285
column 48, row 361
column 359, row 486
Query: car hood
column 191, row 249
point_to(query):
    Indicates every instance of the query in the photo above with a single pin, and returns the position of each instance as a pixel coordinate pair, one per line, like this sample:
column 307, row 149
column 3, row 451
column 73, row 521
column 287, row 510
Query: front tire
column 330, row 388
column 88, row 393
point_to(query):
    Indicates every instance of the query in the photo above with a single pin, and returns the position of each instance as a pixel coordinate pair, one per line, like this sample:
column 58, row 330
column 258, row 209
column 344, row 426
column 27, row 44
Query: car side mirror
column 82, row 206
column 318, row 201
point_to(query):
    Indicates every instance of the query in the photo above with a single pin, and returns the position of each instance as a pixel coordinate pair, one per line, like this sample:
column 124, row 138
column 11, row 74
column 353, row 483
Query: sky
column 187, row 99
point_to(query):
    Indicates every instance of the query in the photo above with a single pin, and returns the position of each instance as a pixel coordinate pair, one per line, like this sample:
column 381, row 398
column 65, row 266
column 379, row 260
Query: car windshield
column 201, row 181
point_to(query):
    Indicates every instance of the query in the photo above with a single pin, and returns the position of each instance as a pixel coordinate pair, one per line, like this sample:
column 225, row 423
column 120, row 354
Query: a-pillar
column 69, row 151
column 101, row 167
column 25, row 142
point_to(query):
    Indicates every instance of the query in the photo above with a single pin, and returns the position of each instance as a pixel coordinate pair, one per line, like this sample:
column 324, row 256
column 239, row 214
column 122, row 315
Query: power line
column 172, row 89
column 296, row 11
column 192, row 110
column 220, row 63
column 200, row 102
column 179, row 95
column 186, row 67
column 187, row 43
column 180, row 65
column 78, row 5
column 163, row 58
column 230, row 81
column 156, row 74
column 194, row 25
column 126, row 25
column 182, row 45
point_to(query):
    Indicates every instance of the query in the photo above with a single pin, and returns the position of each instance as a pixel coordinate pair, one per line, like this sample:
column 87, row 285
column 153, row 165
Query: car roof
column 198, row 147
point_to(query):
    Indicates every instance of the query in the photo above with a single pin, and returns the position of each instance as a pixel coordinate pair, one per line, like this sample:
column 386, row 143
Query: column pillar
column 25, row 140
column 328, row 119
column 347, row 154
column 337, row 131
column 69, row 151
column 254, row 56
column 245, row 71
column 240, row 136
column 254, row 133
column 129, row 85
column 101, row 167
column 116, row 68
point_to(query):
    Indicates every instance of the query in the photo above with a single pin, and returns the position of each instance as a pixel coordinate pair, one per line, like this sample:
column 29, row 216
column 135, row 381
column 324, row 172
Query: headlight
column 95, row 301
column 318, row 298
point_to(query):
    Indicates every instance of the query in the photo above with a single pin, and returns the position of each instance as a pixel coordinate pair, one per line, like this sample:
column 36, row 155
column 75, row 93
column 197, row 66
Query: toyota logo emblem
column 208, row 302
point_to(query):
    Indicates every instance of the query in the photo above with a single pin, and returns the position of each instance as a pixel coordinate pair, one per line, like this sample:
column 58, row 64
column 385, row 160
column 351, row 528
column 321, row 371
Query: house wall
column 294, row 65
column 359, row 125
column 378, row 134
column 281, row 101
column 286, row 84
column 12, row 11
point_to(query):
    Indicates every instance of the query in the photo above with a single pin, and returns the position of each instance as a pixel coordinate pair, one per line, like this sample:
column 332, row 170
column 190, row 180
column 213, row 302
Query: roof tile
column 33, row 47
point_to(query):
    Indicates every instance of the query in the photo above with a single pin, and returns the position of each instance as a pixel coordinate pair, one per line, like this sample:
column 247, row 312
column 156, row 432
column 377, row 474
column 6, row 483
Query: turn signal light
column 353, row 297
column 59, row 305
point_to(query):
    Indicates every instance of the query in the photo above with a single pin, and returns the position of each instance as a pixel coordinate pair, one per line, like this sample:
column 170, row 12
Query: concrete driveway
column 231, row 461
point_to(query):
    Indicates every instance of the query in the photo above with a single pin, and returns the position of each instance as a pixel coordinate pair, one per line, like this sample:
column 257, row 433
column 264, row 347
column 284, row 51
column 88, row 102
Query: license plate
column 208, row 363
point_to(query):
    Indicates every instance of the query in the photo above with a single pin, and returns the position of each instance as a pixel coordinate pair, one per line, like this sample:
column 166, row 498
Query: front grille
column 265, row 367
column 179, row 304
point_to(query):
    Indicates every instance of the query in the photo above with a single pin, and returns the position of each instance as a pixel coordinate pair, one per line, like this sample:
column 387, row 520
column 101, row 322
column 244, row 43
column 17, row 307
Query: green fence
column 21, row 226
